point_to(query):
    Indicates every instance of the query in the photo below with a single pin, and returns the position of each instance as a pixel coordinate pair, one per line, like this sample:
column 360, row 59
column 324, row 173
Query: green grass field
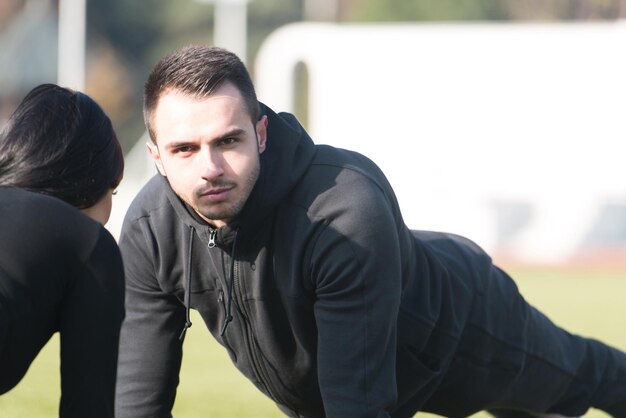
column 588, row 303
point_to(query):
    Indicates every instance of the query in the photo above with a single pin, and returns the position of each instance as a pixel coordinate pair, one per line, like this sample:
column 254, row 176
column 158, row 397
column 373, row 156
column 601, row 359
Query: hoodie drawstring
column 230, row 283
column 188, row 286
column 229, row 303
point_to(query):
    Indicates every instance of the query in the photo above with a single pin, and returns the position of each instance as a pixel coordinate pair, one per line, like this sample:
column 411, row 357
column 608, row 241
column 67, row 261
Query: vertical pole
column 321, row 10
column 230, row 25
column 230, row 31
column 71, row 53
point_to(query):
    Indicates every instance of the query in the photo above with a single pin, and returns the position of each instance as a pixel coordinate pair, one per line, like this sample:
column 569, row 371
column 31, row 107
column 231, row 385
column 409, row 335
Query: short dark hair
column 59, row 142
column 198, row 71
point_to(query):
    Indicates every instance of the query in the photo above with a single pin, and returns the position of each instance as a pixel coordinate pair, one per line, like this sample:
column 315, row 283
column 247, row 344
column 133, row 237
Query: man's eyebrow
column 177, row 144
column 229, row 134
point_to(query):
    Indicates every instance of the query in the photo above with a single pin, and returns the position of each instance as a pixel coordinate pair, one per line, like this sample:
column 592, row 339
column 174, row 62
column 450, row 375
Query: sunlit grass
column 588, row 303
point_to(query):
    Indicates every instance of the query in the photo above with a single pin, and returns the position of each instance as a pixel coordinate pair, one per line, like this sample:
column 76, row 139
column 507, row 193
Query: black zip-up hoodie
column 322, row 296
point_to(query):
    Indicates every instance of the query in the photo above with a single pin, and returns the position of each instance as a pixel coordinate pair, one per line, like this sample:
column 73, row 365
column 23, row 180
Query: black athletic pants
column 514, row 362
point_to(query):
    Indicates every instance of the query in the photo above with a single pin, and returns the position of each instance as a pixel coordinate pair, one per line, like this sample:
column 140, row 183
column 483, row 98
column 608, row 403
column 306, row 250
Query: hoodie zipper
column 212, row 235
column 249, row 339
column 251, row 344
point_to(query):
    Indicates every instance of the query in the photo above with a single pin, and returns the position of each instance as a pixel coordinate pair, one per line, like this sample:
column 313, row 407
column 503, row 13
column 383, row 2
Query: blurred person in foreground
column 60, row 269
column 298, row 260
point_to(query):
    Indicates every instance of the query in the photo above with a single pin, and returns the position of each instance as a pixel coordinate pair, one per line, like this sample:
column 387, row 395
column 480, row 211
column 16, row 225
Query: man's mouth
column 216, row 194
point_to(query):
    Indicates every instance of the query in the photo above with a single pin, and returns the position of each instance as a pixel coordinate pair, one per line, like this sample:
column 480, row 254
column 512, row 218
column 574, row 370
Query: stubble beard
column 230, row 210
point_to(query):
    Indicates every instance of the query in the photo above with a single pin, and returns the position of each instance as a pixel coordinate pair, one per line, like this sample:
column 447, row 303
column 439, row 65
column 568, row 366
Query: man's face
column 209, row 150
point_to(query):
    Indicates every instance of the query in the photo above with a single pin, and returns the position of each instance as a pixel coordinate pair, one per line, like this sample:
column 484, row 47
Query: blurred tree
column 423, row 10
column 126, row 38
column 453, row 10
column 28, row 49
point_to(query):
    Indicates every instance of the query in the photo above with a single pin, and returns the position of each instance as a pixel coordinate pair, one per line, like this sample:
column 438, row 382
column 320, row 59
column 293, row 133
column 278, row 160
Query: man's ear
column 156, row 156
column 261, row 133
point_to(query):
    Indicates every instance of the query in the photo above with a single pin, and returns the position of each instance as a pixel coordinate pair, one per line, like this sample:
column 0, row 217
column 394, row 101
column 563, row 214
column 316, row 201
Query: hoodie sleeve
column 356, row 271
column 150, row 350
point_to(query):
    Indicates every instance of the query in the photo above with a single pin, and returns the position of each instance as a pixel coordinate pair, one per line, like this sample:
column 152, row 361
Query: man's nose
column 212, row 164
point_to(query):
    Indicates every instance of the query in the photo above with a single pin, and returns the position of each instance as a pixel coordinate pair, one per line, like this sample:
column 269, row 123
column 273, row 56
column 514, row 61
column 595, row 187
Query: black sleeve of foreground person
column 89, row 326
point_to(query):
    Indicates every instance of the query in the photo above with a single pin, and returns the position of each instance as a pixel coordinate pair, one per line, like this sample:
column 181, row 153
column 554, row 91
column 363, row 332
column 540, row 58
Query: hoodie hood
column 288, row 153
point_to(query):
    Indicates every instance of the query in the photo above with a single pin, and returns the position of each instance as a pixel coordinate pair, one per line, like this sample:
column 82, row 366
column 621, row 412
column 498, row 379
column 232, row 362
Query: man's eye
column 182, row 149
column 228, row 141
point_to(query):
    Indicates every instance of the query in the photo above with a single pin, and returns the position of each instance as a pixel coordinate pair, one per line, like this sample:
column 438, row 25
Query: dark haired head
column 197, row 71
column 61, row 143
